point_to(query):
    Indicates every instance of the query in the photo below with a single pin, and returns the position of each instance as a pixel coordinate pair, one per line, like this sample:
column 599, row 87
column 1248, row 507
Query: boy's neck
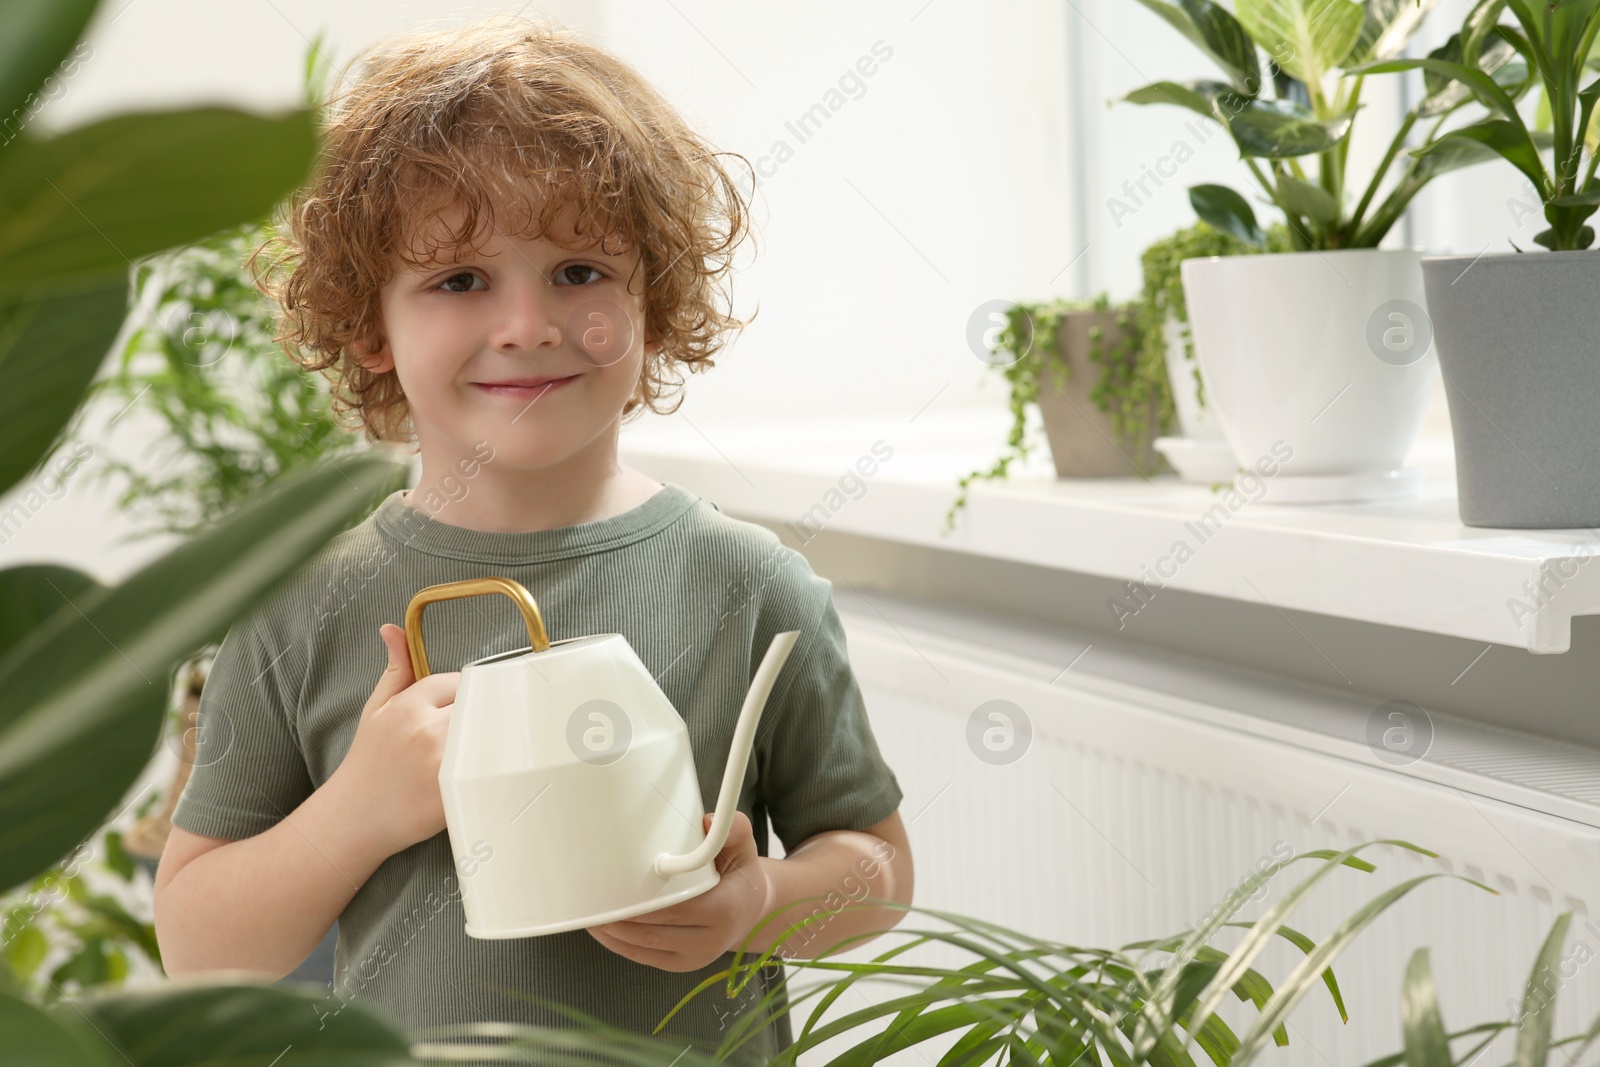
column 498, row 499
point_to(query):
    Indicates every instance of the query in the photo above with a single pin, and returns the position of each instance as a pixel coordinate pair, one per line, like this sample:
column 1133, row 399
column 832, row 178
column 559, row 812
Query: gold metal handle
column 455, row 591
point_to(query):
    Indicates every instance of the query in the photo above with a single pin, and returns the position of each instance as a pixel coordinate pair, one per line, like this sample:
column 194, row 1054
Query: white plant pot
column 1200, row 454
column 1317, row 364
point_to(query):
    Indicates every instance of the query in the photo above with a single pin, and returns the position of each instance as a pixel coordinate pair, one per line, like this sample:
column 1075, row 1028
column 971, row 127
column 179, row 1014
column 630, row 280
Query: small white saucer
column 1361, row 487
column 1197, row 460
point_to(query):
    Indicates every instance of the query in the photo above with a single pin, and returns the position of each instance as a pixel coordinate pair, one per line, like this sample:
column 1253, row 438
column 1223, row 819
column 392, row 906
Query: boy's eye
column 459, row 283
column 567, row 272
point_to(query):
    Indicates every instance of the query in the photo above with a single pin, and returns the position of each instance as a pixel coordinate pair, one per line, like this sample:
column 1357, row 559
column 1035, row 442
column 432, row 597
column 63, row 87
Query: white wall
column 944, row 184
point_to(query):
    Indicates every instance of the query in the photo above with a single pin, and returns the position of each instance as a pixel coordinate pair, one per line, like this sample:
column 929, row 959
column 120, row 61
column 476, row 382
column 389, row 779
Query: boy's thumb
column 398, row 674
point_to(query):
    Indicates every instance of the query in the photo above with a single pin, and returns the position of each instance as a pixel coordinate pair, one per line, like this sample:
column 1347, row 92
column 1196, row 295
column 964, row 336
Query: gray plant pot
column 1518, row 337
column 1083, row 441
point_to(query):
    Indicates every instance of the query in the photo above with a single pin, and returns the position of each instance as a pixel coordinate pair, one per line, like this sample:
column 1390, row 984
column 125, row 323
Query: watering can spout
column 744, row 735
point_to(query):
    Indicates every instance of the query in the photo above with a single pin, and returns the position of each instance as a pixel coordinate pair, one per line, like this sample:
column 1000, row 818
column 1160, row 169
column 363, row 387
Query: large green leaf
column 85, row 692
column 1227, row 40
column 1486, row 89
column 87, row 203
column 1509, row 140
column 1305, row 37
column 76, row 209
column 32, row 1038
column 30, row 594
column 1446, row 94
column 1277, row 129
column 50, row 350
column 1444, row 156
column 212, row 1025
column 35, row 36
column 1203, row 97
column 1227, row 211
column 1237, row 61
column 1387, row 26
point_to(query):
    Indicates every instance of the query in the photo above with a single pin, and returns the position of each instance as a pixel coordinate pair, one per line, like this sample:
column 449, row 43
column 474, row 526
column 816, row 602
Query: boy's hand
column 392, row 768
column 692, row 934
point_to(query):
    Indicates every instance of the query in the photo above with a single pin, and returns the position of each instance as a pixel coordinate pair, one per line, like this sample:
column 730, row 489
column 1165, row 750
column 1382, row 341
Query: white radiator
column 1154, row 782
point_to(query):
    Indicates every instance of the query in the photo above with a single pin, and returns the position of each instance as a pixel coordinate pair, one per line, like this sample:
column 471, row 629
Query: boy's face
column 472, row 338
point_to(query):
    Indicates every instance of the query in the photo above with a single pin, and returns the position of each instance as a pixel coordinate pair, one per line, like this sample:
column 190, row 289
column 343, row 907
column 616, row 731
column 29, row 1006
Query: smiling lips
column 524, row 387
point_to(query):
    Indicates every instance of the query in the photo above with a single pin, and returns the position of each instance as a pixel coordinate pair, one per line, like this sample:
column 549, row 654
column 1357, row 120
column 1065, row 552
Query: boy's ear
column 378, row 361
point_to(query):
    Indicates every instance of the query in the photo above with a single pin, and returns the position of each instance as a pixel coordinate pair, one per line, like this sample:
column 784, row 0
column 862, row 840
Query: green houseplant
column 1524, row 435
column 1280, row 336
column 235, row 414
column 1104, row 425
column 91, row 933
column 1147, row 376
column 1027, row 1002
column 1314, row 56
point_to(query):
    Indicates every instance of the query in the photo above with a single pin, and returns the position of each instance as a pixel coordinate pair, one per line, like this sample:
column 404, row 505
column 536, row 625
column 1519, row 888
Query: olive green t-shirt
column 698, row 594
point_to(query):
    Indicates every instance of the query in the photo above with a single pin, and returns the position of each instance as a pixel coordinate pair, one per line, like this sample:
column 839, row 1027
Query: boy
column 462, row 265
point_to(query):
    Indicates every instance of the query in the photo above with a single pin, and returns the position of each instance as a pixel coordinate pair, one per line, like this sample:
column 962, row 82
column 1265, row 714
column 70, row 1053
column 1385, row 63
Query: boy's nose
column 527, row 319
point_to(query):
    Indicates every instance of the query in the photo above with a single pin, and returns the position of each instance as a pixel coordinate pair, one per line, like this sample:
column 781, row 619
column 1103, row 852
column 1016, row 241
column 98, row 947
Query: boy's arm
column 841, row 867
column 260, row 904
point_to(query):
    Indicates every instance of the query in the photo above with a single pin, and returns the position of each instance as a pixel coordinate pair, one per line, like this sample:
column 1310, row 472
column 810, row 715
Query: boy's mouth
column 524, row 388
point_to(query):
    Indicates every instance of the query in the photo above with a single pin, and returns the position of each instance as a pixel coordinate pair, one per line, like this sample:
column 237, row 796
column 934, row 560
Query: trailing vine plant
column 1131, row 388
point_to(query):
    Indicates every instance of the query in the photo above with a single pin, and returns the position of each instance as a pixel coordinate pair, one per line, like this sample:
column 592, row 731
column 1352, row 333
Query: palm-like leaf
column 1032, row 1000
column 1426, row 1042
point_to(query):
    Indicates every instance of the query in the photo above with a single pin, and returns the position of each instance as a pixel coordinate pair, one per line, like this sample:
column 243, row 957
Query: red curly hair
column 506, row 110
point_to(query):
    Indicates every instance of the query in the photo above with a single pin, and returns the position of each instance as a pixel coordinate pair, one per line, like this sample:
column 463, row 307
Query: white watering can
column 569, row 787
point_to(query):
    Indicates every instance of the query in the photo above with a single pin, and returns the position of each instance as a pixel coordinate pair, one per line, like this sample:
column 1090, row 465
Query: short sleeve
column 820, row 765
column 249, row 771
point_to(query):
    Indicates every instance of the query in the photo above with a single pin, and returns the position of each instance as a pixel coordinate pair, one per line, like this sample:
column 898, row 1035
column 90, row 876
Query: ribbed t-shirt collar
column 401, row 523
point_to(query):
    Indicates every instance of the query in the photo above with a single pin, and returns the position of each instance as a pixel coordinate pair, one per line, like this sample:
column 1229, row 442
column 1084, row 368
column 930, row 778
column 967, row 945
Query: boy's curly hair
column 513, row 108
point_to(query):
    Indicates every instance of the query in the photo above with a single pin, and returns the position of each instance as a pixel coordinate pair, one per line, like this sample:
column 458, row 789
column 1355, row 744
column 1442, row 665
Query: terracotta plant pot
column 1083, row 441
